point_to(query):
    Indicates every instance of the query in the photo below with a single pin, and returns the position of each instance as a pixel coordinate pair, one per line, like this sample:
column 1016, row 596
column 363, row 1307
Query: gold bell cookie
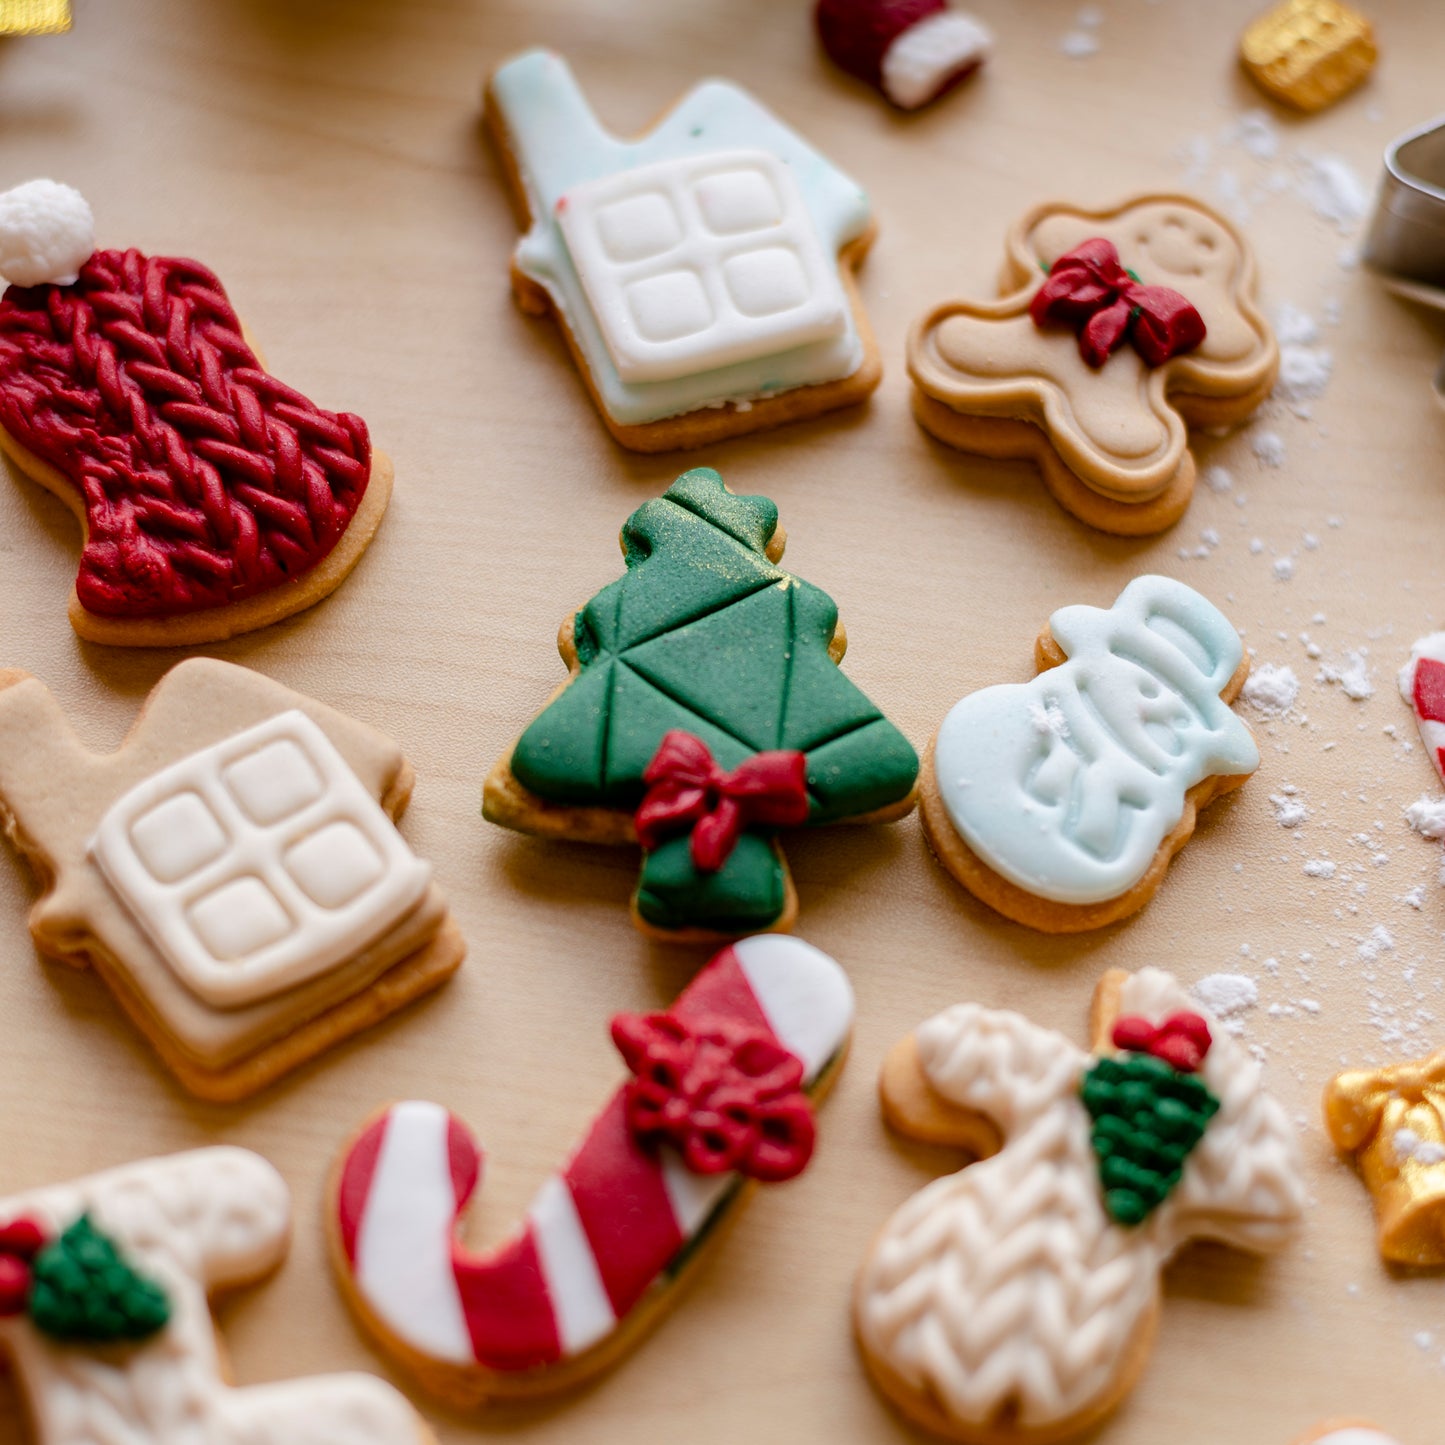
column 1392, row 1120
column 233, row 871
column 1016, row 1300
column 1308, row 53
column 1116, row 330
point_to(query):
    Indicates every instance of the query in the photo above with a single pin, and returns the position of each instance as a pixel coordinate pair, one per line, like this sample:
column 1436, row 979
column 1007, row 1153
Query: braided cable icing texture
column 1005, row 1292
column 204, row 479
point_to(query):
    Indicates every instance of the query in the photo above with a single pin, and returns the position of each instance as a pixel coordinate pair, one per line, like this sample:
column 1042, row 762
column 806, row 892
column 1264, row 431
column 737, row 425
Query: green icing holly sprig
column 1149, row 1110
column 77, row 1287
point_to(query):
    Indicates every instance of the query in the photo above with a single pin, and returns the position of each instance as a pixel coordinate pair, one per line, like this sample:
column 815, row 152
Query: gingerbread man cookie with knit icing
column 702, row 273
column 105, row 1316
column 213, row 498
column 233, row 872
column 1017, row 1299
column 720, row 1100
column 1116, row 331
column 1060, row 802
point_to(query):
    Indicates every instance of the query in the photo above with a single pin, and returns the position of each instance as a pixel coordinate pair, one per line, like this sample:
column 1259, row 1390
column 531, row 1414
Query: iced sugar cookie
column 705, row 712
column 1061, row 801
column 213, row 498
column 105, row 1315
column 720, row 1098
column 1016, row 1300
column 702, row 273
column 1115, row 329
column 232, row 872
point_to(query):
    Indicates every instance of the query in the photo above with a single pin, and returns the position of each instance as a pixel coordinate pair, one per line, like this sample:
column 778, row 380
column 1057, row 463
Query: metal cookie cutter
column 1406, row 244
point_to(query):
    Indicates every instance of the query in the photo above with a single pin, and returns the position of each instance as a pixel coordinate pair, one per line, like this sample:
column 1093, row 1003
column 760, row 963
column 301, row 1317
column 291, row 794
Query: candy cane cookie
column 214, row 498
column 720, row 1098
column 105, row 1316
column 1016, row 1300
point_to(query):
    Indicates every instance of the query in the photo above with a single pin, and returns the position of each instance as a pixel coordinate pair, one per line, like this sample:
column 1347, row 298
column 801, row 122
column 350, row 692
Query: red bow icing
column 728, row 1097
column 686, row 789
column 1090, row 291
column 20, row 1241
column 1182, row 1040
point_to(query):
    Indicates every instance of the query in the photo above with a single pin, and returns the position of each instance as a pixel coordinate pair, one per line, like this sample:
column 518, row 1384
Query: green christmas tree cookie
column 705, row 641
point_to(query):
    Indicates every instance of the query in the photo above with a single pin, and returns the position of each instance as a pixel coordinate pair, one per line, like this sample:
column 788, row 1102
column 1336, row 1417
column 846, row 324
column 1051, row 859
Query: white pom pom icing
column 47, row 233
column 926, row 56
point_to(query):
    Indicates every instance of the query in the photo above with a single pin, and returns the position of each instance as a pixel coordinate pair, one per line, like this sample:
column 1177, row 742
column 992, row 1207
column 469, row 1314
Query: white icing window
column 258, row 863
column 694, row 264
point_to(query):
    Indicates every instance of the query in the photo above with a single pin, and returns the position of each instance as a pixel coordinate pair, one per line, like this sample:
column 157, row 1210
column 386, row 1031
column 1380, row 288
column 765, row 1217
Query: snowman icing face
column 1067, row 785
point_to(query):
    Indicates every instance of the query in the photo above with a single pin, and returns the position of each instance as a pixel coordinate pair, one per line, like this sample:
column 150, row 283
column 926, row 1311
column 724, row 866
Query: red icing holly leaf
column 728, row 1097
column 205, row 480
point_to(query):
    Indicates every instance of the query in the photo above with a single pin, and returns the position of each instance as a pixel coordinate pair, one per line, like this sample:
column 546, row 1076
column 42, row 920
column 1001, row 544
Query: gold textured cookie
column 1116, row 330
column 213, row 498
column 1016, row 1301
column 1308, row 53
column 1060, row 802
column 702, row 273
column 232, row 872
column 1392, row 1120
column 106, row 1286
column 719, row 1100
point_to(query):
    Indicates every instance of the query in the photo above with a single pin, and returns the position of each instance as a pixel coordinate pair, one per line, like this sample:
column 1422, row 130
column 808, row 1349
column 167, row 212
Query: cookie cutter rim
column 1405, row 246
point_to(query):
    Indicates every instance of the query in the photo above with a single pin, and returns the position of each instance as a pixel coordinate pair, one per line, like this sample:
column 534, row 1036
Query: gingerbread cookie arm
column 609, row 1237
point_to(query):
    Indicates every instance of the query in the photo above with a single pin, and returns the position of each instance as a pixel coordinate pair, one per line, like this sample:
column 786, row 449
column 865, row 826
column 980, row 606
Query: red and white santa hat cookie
column 910, row 50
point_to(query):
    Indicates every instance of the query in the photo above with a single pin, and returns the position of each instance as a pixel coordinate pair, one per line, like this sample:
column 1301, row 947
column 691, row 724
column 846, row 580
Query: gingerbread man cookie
column 1060, row 802
column 233, row 872
column 705, row 710
column 1392, row 1121
column 1115, row 329
column 702, row 273
column 720, row 1099
column 1017, row 1299
column 214, row 499
column 104, row 1312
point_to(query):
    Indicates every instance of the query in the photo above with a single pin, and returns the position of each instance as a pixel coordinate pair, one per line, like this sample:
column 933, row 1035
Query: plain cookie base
column 703, row 426
column 417, row 974
column 914, row 1109
column 217, row 624
column 469, row 1387
column 1018, row 439
column 1045, row 914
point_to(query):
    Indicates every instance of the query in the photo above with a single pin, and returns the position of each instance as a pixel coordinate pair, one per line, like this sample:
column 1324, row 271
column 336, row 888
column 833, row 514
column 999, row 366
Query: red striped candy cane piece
column 1422, row 681
column 601, row 1236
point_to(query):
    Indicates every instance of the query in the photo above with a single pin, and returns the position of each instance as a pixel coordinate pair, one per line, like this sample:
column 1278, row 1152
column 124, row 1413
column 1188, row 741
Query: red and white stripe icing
column 599, row 1232
column 1422, row 682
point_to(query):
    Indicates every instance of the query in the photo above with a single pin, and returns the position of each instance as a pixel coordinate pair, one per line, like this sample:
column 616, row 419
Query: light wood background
column 324, row 156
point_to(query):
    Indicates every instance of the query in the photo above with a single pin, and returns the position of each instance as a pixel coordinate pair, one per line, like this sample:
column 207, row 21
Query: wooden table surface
column 325, row 158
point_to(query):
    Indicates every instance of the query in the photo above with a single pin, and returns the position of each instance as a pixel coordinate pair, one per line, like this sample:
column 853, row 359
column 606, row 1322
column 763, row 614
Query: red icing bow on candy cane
column 1090, row 291
column 727, row 1097
column 686, row 789
column 20, row 1241
column 1182, row 1040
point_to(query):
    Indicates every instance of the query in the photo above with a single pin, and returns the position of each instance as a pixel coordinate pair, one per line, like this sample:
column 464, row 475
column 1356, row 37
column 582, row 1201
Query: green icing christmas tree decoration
column 82, row 1290
column 707, row 634
column 1147, row 1119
